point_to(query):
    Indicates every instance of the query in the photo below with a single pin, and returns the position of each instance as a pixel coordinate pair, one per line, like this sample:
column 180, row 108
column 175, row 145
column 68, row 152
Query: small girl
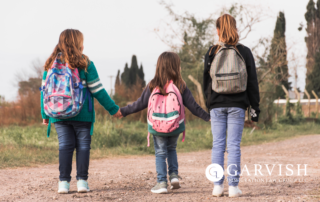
column 75, row 132
column 167, row 71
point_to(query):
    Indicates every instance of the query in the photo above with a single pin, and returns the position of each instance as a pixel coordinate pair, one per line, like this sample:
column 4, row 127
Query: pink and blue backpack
column 62, row 91
column 166, row 113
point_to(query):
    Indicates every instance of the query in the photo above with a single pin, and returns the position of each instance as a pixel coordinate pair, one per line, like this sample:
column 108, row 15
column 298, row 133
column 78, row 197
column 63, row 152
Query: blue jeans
column 229, row 119
column 165, row 148
column 73, row 135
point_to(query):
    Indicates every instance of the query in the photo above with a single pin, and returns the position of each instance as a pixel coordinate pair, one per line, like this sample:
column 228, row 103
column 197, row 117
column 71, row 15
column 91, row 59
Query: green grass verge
column 29, row 146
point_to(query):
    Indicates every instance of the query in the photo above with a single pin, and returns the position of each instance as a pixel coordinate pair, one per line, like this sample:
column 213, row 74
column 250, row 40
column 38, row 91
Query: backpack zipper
column 230, row 74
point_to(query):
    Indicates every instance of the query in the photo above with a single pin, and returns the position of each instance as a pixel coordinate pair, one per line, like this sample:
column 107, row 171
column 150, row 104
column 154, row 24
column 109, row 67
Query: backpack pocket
column 59, row 104
column 228, row 76
column 227, row 83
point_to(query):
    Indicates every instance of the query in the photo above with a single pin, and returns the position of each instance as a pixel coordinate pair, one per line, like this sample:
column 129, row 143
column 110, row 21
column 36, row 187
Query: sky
column 115, row 30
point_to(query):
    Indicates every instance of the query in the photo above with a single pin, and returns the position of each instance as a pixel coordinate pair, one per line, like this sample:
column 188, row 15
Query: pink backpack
column 166, row 114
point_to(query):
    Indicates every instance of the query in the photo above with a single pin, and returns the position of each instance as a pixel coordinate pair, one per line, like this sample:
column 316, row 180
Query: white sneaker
column 64, row 187
column 174, row 181
column 83, row 186
column 217, row 190
column 234, row 191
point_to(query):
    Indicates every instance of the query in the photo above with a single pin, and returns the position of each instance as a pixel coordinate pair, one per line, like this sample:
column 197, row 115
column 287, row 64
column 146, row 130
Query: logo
column 214, row 172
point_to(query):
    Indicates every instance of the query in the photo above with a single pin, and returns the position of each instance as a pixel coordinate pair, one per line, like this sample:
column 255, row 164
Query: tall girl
column 75, row 132
column 227, row 111
column 167, row 72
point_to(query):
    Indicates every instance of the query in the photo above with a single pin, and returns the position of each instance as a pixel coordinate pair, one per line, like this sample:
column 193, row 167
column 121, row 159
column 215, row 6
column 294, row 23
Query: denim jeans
column 73, row 135
column 229, row 119
column 165, row 148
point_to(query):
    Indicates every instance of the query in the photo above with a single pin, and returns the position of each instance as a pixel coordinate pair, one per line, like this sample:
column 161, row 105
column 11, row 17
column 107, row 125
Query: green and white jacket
column 90, row 79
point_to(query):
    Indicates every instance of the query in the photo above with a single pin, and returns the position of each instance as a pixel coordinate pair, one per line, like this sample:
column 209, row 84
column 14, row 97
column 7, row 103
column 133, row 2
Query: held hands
column 118, row 114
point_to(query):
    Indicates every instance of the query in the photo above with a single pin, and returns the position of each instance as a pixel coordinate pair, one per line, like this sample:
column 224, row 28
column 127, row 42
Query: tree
column 312, row 39
column 125, row 76
column 314, row 76
column 29, row 86
column 278, row 57
column 134, row 70
column 130, row 75
column 118, row 82
column 141, row 75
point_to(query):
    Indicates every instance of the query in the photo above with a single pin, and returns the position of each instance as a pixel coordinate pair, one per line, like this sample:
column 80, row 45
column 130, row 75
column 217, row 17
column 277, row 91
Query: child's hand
column 45, row 121
column 118, row 114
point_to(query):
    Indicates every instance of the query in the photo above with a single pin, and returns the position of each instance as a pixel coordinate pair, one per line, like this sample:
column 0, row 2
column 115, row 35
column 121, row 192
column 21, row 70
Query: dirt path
column 130, row 179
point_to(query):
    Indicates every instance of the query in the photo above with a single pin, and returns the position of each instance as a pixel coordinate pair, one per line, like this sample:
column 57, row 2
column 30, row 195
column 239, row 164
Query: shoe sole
column 175, row 184
column 234, row 196
column 63, row 191
column 160, row 191
column 83, row 190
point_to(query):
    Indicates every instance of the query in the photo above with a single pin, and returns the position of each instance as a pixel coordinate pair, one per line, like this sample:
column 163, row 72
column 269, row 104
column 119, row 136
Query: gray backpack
column 228, row 71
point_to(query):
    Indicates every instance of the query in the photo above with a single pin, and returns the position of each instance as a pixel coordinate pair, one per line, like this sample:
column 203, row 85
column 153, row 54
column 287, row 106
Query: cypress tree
column 134, row 70
column 118, row 78
column 312, row 39
column 125, row 76
column 314, row 76
column 141, row 75
column 311, row 11
column 129, row 75
column 118, row 83
column 278, row 56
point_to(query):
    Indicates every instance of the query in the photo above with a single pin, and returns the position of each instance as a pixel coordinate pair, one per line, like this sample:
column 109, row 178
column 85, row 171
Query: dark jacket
column 187, row 97
column 243, row 100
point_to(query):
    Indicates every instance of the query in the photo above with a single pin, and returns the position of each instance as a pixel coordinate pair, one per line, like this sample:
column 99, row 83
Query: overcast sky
column 114, row 30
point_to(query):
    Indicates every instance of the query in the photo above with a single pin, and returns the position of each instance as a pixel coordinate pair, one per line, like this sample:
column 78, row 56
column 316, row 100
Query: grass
column 29, row 146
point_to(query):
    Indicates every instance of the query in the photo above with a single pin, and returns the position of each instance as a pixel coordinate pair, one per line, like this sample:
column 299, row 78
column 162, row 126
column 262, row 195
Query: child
column 67, row 89
column 228, row 109
column 167, row 73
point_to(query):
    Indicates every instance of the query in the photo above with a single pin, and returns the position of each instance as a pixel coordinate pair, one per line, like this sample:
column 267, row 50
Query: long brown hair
column 228, row 32
column 168, row 68
column 70, row 44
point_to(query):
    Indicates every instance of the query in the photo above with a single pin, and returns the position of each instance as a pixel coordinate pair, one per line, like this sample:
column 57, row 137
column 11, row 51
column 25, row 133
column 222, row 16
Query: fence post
column 308, row 95
column 287, row 94
column 297, row 94
column 298, row 97
column 317, row 104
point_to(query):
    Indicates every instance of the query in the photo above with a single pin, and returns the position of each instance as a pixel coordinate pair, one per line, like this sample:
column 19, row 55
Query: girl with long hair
column 75, row 133
column 227, row 111
column 168, row 71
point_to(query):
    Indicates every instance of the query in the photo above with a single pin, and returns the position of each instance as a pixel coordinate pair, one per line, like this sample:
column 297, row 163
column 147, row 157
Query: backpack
column 228, row 71
column 166, row 113
column 62, row 91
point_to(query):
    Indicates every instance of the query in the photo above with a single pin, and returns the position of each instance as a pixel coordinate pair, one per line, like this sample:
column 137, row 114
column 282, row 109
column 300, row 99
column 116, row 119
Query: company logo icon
column 214, row 172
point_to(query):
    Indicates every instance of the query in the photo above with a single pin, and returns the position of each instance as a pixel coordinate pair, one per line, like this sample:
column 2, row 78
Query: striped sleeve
column 96, row 88
column 95, row 85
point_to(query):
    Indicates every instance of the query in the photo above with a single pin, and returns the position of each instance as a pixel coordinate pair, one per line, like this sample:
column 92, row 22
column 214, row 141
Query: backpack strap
column 148, row 139
column 184, row 135
column 49, row 128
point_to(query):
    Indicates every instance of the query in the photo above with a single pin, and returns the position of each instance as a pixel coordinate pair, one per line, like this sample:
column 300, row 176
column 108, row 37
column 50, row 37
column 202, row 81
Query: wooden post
column 317, row 104
column 277, row 109
column 287, row 96
column 308, row 95
column 202, row 102
column 285, row 91
column 298, row 96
